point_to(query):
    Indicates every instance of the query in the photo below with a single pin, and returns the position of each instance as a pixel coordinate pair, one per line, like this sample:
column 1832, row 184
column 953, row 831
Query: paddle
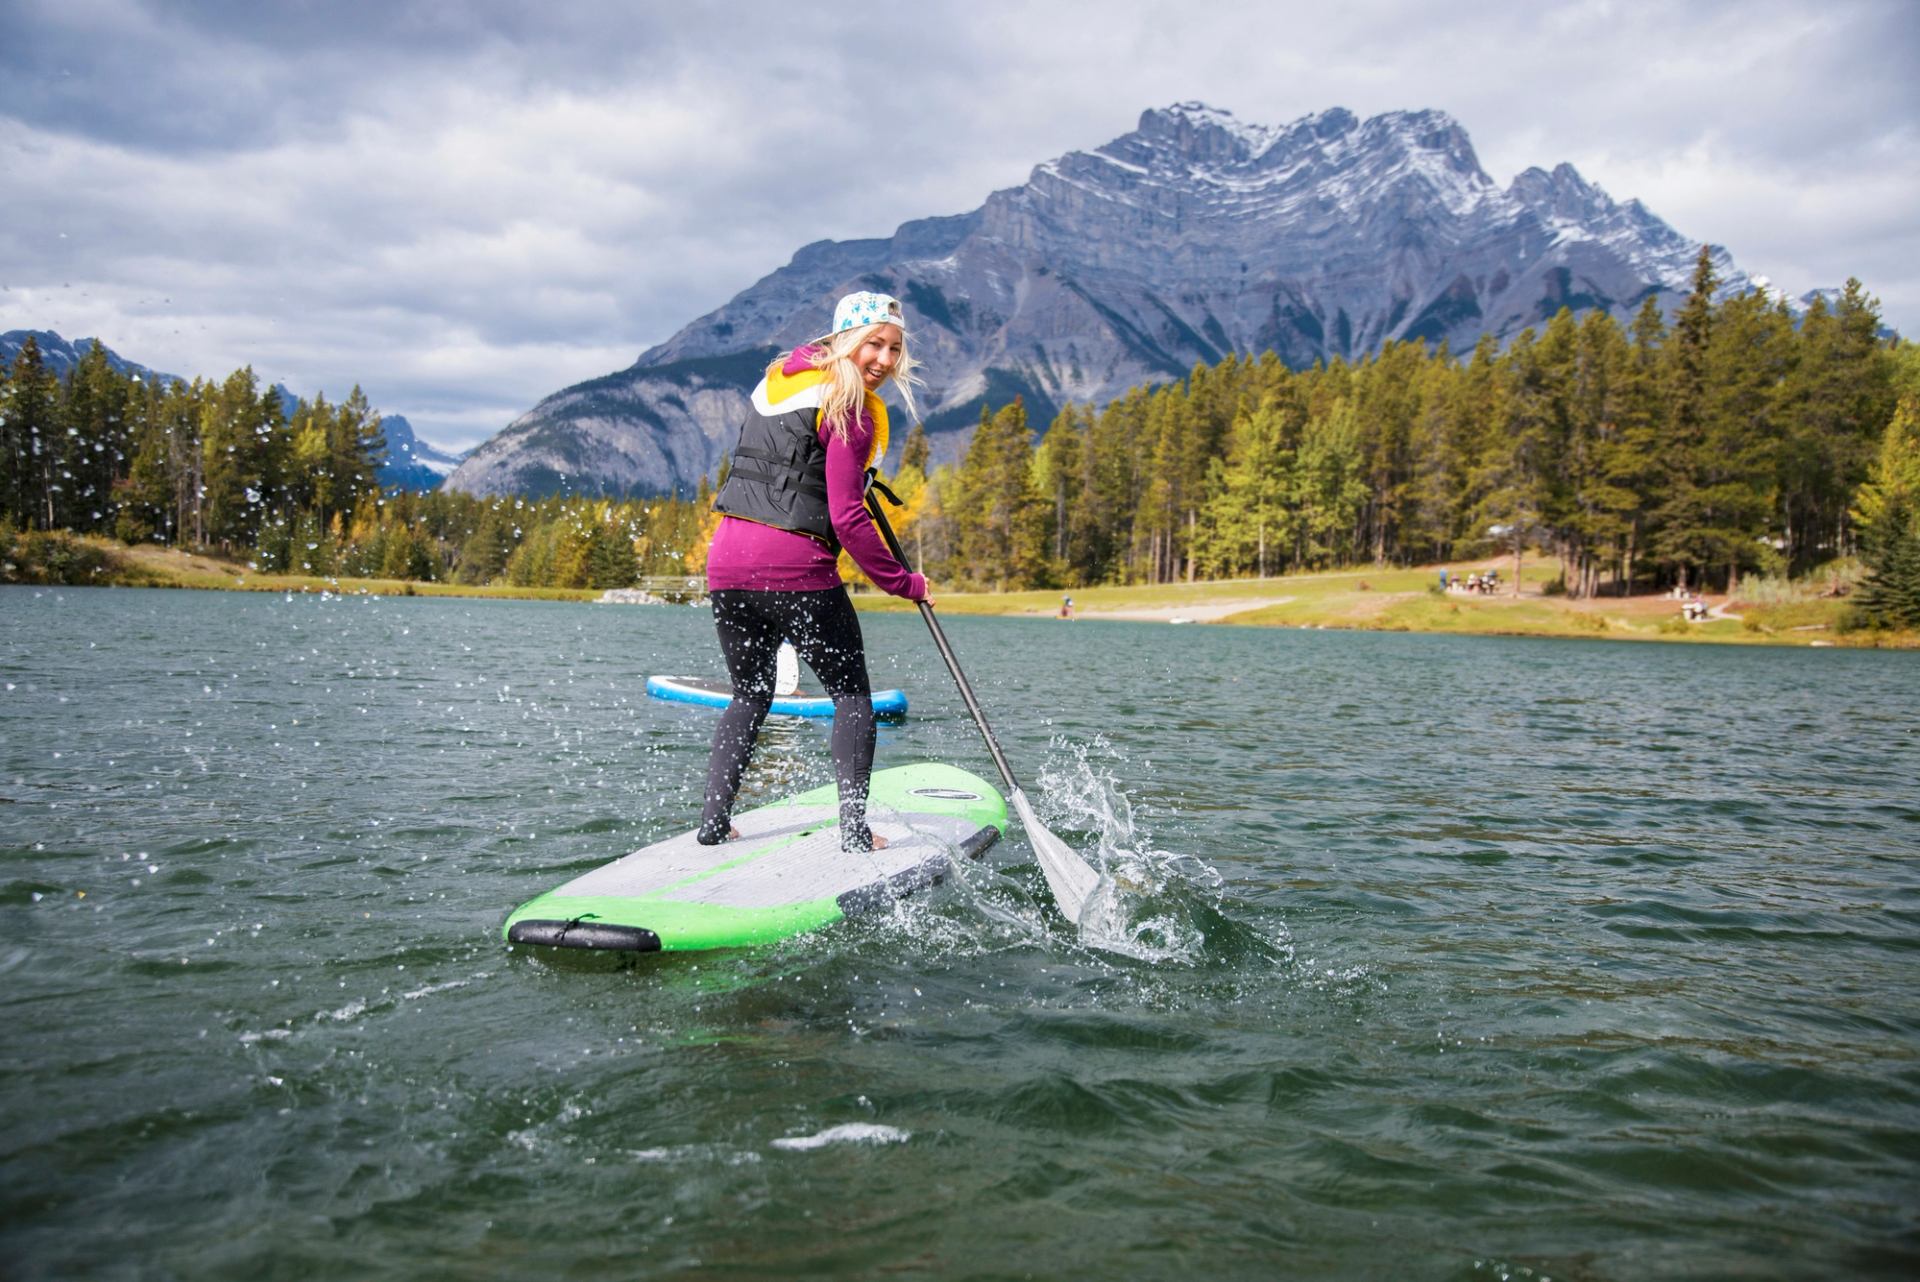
column 1069, row 876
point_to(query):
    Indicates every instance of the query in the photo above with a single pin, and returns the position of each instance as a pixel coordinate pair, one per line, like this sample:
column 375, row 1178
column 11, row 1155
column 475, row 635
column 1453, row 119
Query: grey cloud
column 465, row 206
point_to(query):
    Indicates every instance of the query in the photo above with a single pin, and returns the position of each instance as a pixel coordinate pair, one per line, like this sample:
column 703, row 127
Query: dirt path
column 1198, row 612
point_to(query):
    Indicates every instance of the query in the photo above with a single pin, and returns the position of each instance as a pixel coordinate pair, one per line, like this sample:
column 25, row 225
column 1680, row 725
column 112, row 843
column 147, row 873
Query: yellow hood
column 780, row 386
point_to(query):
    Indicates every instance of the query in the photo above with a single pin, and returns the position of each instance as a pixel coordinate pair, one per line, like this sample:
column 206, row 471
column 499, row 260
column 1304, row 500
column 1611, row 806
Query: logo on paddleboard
column 946, row 794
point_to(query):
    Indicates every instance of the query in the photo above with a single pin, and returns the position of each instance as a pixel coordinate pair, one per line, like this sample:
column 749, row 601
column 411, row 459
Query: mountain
column 61, row 355
column 1194, row 236
column 412, row 464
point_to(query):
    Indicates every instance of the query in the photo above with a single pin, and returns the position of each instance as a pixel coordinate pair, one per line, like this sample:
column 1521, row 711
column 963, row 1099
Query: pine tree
column 310, row 478
column 483, row 557
column 1158, row 536
column 1101, row 530
column 274, row 451
column 1890, row 595
column 532, row 563
column 1203, row 411
column 1599, row 510
column 1887, row 510
column 388, row 555
column 313, row 547
column 573, row 540
column 1514, row 475
column 144, row 503
column 1249, row 523
column 610, row 560
column 184, row 461
column 1681, row 537
column 1057, row 478
column 423, row 557
column 918, row 499
column 356, row 449
column 961, row 504
column 1386, row 400
column 1547, row 474
column 273, row 546
column 1894, row 478
column 94, row 410
column 1807, row 473
column 1002, row 529
column 1437, row 475
column 1329, row 487
column 1835, row 401
column 915, row 453
column 1631, row 462
column 233, row 444
column 1735, row 471
column 31, row 440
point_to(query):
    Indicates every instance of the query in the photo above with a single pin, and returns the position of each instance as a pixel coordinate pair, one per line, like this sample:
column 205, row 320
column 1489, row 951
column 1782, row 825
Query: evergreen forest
column 225, row 468
column 1734, row 439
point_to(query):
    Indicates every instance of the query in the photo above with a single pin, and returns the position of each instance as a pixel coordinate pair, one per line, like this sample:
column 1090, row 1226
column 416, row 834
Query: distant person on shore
column 791, row 501
column 1066, row 607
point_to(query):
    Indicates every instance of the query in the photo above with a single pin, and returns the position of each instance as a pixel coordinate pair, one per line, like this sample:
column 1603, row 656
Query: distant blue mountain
column 412, row 464
column 61, row 355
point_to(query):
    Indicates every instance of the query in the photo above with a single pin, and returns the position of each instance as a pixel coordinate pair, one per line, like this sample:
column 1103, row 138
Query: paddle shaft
column 946, row 651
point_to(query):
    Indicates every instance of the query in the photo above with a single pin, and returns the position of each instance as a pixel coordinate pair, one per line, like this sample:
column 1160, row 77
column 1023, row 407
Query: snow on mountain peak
column 1192, row 151
column 1256, row 138
column 1196, row 132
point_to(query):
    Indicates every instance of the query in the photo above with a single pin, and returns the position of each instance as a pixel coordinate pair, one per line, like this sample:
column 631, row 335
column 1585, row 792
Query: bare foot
column 733, row 834
column 879, row 842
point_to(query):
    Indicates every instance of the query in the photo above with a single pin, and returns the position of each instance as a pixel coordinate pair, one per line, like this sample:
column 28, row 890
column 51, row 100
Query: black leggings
column 826, row 633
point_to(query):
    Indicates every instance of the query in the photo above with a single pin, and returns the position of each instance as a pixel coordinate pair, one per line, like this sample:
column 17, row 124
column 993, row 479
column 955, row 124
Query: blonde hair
column 845, row 394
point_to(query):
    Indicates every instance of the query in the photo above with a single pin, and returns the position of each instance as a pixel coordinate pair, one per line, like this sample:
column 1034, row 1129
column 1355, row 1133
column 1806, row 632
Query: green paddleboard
column 784, row 874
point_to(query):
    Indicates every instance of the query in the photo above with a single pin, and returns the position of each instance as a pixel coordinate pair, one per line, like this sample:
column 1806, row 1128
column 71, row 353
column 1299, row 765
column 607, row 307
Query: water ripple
column 1465, row 958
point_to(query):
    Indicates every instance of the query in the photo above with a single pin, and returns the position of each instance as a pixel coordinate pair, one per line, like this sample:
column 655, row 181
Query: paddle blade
column 1070, row 877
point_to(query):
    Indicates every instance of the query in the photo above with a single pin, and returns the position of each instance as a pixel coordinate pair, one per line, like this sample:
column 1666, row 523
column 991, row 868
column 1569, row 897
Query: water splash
column 1150, row 904
column 846, row 1133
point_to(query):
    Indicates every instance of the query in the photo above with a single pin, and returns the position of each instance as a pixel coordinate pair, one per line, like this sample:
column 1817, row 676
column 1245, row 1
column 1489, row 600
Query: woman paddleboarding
column 792, row 499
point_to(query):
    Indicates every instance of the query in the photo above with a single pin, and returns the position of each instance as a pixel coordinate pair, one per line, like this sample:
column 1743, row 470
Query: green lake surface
column 1448, row 958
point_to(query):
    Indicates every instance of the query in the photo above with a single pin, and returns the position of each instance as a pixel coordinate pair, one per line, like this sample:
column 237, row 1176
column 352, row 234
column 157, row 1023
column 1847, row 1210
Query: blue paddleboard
column 708, row 693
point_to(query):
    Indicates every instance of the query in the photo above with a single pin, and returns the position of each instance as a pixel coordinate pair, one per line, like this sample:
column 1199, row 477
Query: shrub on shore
column 51, row 557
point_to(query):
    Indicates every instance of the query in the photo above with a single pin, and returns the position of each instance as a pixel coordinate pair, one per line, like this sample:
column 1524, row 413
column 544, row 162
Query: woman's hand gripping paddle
column 1071, row 879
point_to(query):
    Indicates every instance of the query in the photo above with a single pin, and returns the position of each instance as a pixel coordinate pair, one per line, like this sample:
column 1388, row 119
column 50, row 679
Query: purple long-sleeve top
column 761, row 558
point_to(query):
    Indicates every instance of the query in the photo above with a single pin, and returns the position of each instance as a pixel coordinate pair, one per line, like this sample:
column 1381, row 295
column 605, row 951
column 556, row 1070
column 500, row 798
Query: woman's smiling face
column 877, row 355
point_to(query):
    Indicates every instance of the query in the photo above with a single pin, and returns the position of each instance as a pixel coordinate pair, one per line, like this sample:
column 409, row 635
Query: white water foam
column 1143, row 906
column 690, row 1153
column 847, row 1133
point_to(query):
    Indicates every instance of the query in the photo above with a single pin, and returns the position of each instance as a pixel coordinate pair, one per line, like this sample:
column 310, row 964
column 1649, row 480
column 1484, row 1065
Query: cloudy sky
column 465, row 206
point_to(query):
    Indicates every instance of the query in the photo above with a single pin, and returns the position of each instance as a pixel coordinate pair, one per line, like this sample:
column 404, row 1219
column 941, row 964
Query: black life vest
column 778, row 475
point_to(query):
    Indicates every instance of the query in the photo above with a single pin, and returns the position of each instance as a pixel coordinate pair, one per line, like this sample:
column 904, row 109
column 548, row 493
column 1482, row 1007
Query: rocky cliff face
column 1195, row 236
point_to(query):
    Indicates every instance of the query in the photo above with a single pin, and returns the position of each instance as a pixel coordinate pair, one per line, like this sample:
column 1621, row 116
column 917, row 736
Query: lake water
column 1449, row 958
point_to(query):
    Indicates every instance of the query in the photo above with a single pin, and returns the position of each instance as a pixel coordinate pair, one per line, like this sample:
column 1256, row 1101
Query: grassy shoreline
column 1391, row 599
column 1409, row 600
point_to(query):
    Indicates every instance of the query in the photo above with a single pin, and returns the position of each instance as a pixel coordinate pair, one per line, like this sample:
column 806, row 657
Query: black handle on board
column 874, row 483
